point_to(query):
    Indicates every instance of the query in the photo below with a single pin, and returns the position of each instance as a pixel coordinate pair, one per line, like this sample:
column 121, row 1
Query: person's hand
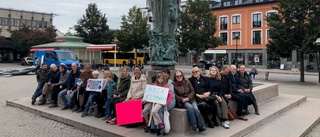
column 184, row 100
column 207, row 94
column 78, row 88
column 49, row 83
column 68, row 92
column 228, row 96
column 187, row 99
column 240, row 90
column 165, row 104
column 128, row 99
column 100, row 91
column 218, row 98
column 119, row 96
column 61, row 87
column 144, row 101
column 115, row 96
column 247, row 90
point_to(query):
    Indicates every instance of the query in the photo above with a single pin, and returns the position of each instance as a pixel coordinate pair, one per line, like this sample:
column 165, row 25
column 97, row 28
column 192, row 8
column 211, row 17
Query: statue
column 163, row 46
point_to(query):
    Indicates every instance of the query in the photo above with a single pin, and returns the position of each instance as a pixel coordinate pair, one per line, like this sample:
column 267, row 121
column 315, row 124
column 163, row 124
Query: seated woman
column 245, row 83
column 185, row 98
column 215, row 83
column 204, row 97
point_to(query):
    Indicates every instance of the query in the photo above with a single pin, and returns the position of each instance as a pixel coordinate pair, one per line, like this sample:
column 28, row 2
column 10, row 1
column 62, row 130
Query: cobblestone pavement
column 16, row 122
column 19, row 123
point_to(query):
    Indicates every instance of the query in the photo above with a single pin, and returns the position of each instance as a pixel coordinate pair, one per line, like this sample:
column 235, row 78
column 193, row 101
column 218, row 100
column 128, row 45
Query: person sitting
column 161, row 81
column 54, row 77
column 120, row 94
column 238, row 94
column 204, row 97
column 62, row 84
column 42, row 78
column 72, row 86
column 245, row 84
column 215, row 83
column 309, row 67
column 107, row 94
column 185, row 96
column 92, row 99
column 253, row 72
column 137, row 85
column 84, row 76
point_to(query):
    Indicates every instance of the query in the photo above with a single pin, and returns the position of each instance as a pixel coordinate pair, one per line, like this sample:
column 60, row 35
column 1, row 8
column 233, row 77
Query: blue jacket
column 234, row 82
column 54, row 76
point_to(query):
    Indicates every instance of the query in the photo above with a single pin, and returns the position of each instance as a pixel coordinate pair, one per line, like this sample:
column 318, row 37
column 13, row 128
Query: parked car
column 27, row 61
column 204, row 64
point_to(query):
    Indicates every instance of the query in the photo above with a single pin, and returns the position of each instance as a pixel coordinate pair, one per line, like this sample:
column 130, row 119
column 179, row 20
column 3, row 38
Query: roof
column 65, row 42
column 10, row 9
column 220, row 4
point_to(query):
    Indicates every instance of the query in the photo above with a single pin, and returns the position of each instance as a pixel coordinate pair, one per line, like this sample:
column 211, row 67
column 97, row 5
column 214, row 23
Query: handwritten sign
column 94, row 85
column 156, row 94
column 79, row 81
column 129, row 112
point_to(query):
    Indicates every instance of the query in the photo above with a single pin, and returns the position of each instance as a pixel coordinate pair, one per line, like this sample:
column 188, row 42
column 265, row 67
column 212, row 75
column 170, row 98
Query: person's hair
column 106, row 72
column 166, row 71
column 63, row 66
column 124, row 68
column 110, row 75
column 164, row 80
column 43, row 63
column 224, row 67
column 175, row 76
column 137, row 67
column 195, row 69
column 217, row 76
column 95, row 73
column 88, row 65
column 53, row 66
column 105, row 68
column 153, row 78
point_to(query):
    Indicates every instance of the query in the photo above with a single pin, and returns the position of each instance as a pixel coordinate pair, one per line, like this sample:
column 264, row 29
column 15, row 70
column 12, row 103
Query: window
column 236, row 19
column 268, row 36
column 39, row 24
column 18, row 22
column 29, row 23
column 23, row 22
column 45, row 24
column 270, row 13
column 223, row 23
column 5, row 21
column 234, row 35
column 224, row 38
column 255, row 58
column 0, row 21
column 12, row 22
column 34, row 23
column 256, row 37
column 312, row 57
column 226, row 3
column 256, row 20
column 259, row 1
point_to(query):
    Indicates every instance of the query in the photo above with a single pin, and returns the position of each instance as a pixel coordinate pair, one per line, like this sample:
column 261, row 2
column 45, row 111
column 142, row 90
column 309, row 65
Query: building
column 242, row 28
column 13, row 19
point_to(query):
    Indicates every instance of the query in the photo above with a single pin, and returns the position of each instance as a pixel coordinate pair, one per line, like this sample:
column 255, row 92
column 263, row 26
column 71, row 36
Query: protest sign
column 79, row 81
column 129, row 112
column 94, row 85
column 156, row 94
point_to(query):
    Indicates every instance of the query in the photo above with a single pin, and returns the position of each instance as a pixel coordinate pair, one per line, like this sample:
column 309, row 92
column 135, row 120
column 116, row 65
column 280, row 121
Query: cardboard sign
column 79, row 81
column 156, row 94
column 95, row 85
column 129, row 112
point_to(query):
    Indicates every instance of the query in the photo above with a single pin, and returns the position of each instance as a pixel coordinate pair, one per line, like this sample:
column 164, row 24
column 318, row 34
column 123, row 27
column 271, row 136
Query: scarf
column 119, row 80
column 180, row 83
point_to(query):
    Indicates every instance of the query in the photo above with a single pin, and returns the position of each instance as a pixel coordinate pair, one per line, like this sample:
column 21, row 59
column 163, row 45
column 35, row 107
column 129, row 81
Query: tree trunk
column 302, row 67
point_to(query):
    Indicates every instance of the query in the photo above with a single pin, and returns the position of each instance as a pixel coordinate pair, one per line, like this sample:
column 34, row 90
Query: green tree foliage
column 295, row 27
column 134, row 32
column 197, row 27
column 25, row 37
column 93, row 26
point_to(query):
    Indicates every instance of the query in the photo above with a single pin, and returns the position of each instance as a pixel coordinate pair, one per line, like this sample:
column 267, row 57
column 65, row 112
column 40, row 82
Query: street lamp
column 317, row 42
column 115, row 40
column 236, row 36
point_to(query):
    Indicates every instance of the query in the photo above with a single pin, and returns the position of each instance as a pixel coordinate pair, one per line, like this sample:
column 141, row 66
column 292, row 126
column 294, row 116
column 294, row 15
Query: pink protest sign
column 129, row 112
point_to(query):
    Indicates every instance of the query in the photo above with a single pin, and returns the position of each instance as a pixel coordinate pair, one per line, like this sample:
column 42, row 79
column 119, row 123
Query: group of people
column 204, row 97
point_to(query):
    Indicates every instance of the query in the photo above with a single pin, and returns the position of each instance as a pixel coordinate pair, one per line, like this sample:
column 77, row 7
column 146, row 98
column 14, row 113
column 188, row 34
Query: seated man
column 53, row 79
column 62, row 84
column 42, row 78
column 75, row 73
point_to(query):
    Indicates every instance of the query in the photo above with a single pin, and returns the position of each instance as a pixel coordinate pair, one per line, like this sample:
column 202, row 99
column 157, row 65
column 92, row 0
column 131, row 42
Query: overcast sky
column 69, row 11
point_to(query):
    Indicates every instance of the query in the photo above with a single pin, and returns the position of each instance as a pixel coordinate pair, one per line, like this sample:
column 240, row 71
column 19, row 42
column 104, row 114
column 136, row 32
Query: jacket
column 72, row 80
column 64, row 77
column 226, row 85
column 245, row 82
column 137, row 87
column 123, row 85
column 234, row 82
column 54, row 76
column 85, row 76
column 205, row 86
column 184, row 91
column 215, row 86
column 108, row 90
column 43, row 76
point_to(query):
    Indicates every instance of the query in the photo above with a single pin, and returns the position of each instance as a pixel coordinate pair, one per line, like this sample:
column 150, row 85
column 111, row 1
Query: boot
column 42, row 101
column 256, row 109
column 33, row 98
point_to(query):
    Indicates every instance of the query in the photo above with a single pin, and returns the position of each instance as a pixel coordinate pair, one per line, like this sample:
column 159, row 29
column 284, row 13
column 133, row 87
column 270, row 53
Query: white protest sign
column 94, row 85
column 156, row 94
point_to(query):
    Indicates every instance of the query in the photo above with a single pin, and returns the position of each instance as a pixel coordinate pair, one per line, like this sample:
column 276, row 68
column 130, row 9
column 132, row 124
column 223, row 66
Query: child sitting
column 92, row 96
column 161, row 82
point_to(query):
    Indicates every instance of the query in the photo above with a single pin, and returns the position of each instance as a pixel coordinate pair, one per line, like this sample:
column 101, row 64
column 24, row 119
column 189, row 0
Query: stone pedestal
column 155, row 69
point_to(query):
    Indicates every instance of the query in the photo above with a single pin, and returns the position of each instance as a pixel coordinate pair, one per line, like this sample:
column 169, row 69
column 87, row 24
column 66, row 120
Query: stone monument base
column 155, row 69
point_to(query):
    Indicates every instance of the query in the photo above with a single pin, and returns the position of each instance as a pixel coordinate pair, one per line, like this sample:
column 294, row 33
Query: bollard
column 267, row 75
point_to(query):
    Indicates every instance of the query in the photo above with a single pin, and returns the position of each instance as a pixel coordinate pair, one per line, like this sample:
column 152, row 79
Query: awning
column 34, row 49
column 101, row 47
column 215, row 52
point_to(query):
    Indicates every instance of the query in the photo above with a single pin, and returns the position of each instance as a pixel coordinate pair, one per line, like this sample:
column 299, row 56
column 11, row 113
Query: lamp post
column 115, row 51
column 236, row 36
column 317, row 42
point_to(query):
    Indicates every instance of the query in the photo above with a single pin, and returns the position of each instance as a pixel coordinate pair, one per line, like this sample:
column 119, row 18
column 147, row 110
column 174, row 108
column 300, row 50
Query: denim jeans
column 194, row 115
column 90, row 101
column 38, row 91
column 72, row 95
column 107, row 108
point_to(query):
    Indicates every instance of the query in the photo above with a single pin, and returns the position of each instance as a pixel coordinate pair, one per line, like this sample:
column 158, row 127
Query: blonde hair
column 224, row 67
column 195, row 69
column 164, row 79
column 95, row 73
column 218, row 75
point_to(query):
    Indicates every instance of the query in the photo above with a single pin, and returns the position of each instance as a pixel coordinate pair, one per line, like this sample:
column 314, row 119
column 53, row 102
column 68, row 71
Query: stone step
column 268, row 110
column 296, row 122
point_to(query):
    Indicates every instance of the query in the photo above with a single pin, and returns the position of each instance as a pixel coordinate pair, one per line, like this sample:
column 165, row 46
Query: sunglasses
column 195, row 71
column 179, row 76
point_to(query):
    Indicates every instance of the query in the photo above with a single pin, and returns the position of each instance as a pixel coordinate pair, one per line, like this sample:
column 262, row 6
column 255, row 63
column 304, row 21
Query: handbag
column 231, row 114
column 166, row 121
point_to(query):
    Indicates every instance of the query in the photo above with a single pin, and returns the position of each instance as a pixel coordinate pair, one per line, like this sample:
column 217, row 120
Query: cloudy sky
column 69, row 11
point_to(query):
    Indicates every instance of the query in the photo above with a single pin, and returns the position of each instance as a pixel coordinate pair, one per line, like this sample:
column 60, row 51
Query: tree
column 133, row 33
column 93, row 26
column 295, row 27
column 25, row 37
column 197, row 28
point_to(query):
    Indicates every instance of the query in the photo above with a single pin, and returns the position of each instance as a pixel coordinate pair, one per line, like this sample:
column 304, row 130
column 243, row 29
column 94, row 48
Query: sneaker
column 161, row 125
column 194, row 127
column 33, row 99
column 113, row 121
column 53, row 105
column 225, row 125
column 227, row 122
column 80, row 110
column 90, row 111
column 202, row 129
column 84, row 114
column 65, row 107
